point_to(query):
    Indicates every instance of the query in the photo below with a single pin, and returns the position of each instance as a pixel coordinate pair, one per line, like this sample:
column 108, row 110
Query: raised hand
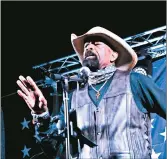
column 32, row 95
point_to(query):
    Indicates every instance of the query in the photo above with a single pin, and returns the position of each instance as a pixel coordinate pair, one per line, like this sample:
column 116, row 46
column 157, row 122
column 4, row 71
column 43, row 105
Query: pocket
column 83, row 116
column 120, row 155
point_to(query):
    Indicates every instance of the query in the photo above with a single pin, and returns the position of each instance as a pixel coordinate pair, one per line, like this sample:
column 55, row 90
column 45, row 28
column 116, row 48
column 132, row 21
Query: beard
column 92, row 64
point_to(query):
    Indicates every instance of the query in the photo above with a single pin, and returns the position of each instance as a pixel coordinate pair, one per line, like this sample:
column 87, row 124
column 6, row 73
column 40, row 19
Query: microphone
column 84, row 72
column 81, row 77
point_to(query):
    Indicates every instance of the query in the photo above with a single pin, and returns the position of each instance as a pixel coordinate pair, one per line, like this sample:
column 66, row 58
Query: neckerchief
column 101, row 75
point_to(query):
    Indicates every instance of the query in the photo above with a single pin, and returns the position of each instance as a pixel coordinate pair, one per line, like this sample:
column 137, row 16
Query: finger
column 23, row 80
column 26, row 83
column 23, row 88
column 33, row 84
column 40, row 104
column 21, row 94
column 43, row 100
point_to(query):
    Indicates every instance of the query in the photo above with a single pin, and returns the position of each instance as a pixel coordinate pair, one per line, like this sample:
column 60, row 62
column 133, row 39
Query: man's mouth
column 91, row 57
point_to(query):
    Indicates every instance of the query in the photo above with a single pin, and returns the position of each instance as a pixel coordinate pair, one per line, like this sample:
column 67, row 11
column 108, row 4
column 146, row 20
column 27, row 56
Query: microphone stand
column 65, row 87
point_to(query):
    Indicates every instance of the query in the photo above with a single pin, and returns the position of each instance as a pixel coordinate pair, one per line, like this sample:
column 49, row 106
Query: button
column 100, row 157
column 97, row 110
column 98, row 133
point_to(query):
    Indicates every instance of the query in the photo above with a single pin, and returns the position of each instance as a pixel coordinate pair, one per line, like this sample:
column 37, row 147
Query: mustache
column 89, row 53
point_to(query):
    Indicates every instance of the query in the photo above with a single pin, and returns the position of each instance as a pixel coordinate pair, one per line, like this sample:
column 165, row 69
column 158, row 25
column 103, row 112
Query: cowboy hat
column 127, row 58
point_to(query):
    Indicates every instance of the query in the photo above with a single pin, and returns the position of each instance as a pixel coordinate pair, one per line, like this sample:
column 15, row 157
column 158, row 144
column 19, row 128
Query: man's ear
column 114, row 56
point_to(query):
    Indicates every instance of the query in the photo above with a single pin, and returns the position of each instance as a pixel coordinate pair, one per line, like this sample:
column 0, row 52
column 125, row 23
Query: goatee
column 91, row 63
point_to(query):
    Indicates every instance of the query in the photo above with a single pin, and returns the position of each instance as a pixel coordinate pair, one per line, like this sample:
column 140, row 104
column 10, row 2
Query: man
column 112, row 109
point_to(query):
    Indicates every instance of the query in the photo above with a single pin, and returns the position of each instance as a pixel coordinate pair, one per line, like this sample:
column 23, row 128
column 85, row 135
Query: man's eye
column 86, row 45
column 97, row 43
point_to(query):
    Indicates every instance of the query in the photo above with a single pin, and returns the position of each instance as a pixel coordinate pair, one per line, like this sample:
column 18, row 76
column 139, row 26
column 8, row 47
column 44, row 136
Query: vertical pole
column 66, row 113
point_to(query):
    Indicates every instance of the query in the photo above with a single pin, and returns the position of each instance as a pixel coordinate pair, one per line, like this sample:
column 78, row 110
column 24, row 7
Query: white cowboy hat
column 127, row 58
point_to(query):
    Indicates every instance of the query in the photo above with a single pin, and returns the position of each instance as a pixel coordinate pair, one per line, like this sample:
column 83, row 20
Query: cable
column 40, row 85
column 8, row 95
column 37, row 155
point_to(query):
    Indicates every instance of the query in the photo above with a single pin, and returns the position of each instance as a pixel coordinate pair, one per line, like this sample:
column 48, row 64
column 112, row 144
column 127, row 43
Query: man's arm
column 47, row 133
column 147, row 95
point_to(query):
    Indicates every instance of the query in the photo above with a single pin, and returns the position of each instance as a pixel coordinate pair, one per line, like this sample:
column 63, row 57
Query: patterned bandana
column 101, row 75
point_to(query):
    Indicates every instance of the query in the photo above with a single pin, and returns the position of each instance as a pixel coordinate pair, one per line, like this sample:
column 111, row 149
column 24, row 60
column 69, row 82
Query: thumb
column 43, row 100
column 43, row 103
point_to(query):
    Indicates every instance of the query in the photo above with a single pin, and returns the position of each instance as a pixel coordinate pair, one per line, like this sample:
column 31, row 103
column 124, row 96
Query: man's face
column 97, row 55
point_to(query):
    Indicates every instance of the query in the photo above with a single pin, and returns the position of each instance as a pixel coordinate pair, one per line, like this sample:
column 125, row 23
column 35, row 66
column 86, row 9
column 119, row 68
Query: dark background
column 38, row 32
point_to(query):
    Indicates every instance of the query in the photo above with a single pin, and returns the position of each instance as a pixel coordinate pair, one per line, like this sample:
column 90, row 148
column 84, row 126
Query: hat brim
column 127, row 58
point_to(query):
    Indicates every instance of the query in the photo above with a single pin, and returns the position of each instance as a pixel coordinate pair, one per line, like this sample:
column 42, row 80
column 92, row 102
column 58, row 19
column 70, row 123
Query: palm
column 31, row 99
column 31, row 94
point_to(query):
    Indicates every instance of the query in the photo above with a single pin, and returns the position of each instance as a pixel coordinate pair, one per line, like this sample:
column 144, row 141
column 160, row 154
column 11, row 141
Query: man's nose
column 90, row 46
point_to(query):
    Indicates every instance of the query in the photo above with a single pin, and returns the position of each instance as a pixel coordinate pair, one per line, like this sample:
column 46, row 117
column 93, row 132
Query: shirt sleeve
column 147, row 95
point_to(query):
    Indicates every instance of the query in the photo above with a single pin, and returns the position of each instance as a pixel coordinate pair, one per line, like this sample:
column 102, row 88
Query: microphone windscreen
column 85, row 71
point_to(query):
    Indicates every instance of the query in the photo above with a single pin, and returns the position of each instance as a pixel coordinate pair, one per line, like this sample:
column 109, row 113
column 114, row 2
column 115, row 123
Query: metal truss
column 153, row 42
